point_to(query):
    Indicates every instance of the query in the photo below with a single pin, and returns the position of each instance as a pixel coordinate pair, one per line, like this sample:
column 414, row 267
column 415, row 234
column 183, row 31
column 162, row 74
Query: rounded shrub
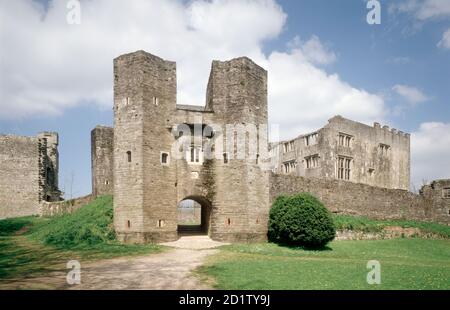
column 300, row 220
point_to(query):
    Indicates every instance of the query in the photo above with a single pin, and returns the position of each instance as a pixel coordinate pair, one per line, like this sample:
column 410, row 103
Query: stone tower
column 49, row 165
column 144, row 191
column 149, row 182
column 237, row 93
column 102, row 139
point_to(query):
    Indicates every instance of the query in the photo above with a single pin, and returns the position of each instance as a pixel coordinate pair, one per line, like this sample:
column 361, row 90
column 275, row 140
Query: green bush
column 300, row 220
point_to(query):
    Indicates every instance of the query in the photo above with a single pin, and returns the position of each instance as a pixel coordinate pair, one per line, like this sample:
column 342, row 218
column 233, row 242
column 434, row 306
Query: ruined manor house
column 161, row 153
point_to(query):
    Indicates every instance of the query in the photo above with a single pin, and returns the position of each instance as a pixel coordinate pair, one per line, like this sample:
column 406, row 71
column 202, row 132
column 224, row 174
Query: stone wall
column 48, row 209
column 102, row 140
column 438, row 192
column 19, row 176
column 363, row 200
column 28, row 173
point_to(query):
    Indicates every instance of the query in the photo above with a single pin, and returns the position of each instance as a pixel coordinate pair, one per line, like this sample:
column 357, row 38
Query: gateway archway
column 194, row 216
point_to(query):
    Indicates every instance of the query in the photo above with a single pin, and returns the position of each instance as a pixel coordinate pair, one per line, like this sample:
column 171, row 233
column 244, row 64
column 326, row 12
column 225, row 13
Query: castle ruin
column 29, row 173
column 160, row 154
column 354, row 168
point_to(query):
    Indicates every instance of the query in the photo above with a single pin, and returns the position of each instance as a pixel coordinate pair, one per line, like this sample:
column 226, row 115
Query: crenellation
column 350, row 151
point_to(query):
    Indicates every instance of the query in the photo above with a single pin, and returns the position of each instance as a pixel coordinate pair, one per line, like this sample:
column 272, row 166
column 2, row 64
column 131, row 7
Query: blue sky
column 58, row 77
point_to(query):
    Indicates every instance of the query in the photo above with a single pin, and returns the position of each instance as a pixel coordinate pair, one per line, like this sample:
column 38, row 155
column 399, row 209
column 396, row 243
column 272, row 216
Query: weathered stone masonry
column 29, row 173
column 149, row 184
column 102, row 139
column 234, row 194
column 365, row 200
column 353, row 168
column 348, row 150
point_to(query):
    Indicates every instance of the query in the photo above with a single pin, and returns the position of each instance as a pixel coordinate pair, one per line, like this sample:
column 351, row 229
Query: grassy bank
column 365, row 224
column 405, row 264
column 31, row 246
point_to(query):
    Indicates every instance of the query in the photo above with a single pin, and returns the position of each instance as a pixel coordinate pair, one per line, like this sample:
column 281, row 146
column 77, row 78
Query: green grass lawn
column 31, row 246
column 405, row 264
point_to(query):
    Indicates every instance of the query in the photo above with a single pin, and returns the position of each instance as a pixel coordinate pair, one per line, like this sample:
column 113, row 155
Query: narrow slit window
column 225, row 158
column 129, row 156
column 192, row 155
column 164, row 158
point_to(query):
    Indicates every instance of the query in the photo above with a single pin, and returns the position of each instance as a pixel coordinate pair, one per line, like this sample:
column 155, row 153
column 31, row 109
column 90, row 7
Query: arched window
column 129, row 156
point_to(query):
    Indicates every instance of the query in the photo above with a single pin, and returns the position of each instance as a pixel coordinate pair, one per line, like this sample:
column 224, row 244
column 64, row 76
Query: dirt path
column 171, row 269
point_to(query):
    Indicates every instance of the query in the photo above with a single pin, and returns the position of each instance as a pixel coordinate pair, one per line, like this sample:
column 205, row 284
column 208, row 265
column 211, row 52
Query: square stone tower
column 102, row 139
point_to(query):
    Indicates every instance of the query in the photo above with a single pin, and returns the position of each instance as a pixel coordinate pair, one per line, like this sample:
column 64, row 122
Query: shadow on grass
column 291, row 246
column 17, row 260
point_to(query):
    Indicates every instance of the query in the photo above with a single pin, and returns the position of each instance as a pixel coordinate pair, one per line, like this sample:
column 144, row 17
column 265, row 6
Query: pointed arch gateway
column 194, row 216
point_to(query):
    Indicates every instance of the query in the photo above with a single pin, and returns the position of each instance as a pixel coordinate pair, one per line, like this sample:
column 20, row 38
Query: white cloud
column 430, row 152
column 303, row 97
column 445, row 42
column 313, row 50
column 412, row 95
column 48, row 65
column 423, row 9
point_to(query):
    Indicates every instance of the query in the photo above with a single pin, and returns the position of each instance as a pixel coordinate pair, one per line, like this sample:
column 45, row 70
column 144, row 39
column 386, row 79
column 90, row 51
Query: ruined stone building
column 350, row 151
column 29, row 173
column 353, row 168
column 161, row 154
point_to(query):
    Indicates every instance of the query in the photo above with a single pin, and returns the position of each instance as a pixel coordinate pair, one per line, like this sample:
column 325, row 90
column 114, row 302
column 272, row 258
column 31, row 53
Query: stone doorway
column 194, row 213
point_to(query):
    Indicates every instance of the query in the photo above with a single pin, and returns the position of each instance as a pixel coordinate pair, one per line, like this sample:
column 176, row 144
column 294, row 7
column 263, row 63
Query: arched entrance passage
column 194, row 214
